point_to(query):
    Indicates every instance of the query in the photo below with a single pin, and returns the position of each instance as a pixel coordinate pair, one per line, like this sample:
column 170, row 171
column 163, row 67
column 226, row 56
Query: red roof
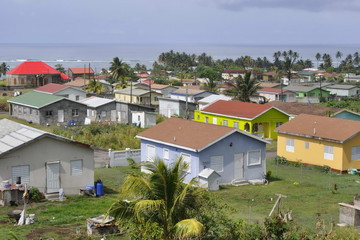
column 148, row 81
column 33, row 67
column 237, row 109
column 51, row 88
column 64, row 76
column 81, row 70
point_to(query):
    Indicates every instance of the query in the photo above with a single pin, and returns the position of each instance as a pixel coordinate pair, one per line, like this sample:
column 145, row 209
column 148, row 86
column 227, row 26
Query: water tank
column 99, row 187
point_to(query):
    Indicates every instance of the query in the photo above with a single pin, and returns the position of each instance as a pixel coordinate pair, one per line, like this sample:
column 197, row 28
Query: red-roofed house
column 277, row 94
column 70, row 92
column 87, row 72
column 258, row 119
column 34, row 74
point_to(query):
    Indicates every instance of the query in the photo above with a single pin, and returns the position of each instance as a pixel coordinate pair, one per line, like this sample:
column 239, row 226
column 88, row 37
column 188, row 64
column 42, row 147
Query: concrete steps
column 54, row 197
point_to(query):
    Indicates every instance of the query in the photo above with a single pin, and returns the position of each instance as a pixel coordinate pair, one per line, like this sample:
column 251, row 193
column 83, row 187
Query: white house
column 343, row 90
column 210, row 99
column 44, row 160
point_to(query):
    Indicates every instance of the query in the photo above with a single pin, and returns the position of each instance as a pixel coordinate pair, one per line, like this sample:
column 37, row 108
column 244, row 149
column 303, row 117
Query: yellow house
column 137, row 96
column 258, row 119
column 320, row 141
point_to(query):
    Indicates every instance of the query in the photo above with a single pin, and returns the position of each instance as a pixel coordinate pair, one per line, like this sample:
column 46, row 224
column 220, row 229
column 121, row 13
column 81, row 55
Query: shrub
column 132, row 163
column 268, row 174
column 281, row 160
column 325, row 169
column 35, row 195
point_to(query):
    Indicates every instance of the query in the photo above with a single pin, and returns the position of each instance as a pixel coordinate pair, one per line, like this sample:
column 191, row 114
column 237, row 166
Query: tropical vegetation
column 243, row 88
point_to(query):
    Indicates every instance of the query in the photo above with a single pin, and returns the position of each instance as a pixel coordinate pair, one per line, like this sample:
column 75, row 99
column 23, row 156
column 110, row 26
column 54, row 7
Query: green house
column 258, row 119
column 307, row 91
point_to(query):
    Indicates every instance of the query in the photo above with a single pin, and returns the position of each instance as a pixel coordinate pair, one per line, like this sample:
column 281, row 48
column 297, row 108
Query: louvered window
column 76, row 167
column 217, row 163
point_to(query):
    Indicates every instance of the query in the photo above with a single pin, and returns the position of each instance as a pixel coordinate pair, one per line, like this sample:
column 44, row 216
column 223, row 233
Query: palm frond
column 188, row 228
column 121, row 210
column 144, row 207
column 135, row 187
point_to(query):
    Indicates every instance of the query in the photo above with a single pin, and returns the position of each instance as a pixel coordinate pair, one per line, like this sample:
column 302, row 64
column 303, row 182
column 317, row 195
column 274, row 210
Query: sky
column 256, row 22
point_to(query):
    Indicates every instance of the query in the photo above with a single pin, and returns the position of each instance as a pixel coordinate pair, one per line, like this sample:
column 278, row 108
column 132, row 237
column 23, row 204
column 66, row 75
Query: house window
column 48, row 113
column 150, row 153
column 290, row 145
column 214, row 120
column 206, row 119
column 254, row 157
column 187, row 159
column 166, row 154
column 255, row 127
column 217, row 163
column 77, row 98
column 93, row 113
column 22, row 172
column 225, row 122
column 103, row 113
column 75, row 112
column 355, row 153
column 30, row 111
column 76, row 167
column 198, row 117
column 156, row 99
column 138, row 117
column 329, row 152
column 247, row 127
column 236, row 125
column 25, row 110
column 306, row 145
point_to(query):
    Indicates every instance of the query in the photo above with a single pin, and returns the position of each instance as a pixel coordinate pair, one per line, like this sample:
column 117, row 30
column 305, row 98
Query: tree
column 243, row 87
column 289, row 59
column 318, row 57
column 60, row 68
column 94, row 86
column 118, row 69
column 338, row 56
column 4, row 68
column 212, row 75
column 159, row 201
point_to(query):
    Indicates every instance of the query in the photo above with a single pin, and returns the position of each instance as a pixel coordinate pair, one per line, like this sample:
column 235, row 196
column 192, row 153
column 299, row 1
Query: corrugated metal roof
column 13, row 134
column 135, row 91
column 96, row 101
column 35, row 99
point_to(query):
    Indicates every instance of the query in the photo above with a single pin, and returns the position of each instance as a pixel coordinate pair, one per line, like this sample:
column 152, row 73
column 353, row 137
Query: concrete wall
column 102, row 113
column 124, row 109
column 47, row 149
column 169, row 107
column 71, row 93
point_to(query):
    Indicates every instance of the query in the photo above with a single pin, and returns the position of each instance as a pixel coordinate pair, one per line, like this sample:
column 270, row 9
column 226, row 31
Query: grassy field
column 313, row 197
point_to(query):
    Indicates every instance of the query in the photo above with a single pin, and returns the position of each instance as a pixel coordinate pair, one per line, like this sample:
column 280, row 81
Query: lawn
column 313, row 197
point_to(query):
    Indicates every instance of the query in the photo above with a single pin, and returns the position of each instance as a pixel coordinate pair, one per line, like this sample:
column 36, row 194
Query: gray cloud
column 306, row 5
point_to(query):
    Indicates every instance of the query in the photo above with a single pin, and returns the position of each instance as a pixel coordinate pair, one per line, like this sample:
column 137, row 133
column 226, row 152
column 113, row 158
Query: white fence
column 119, row 158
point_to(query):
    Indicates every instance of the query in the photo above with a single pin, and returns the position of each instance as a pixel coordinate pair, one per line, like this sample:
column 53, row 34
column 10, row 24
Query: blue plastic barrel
column 99, row 189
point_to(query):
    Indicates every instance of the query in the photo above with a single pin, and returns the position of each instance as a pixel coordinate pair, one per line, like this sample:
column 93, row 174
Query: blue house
column 347, row 114
column 232, row 153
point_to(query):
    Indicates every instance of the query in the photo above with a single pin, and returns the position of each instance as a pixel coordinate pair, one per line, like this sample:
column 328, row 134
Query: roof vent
column 174, row 139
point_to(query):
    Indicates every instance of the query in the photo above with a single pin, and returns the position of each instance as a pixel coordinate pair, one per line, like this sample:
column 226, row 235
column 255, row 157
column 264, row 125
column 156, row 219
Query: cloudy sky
column 181, row 21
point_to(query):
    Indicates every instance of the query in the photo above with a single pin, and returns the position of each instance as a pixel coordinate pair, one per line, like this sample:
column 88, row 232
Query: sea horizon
column 99, row 55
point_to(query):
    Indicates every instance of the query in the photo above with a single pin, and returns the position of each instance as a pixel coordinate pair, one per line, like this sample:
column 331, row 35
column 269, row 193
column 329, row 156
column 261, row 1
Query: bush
column 281, row 160
column 325, row 169
column 35, row 195
column 132, row 163
column 268, row 174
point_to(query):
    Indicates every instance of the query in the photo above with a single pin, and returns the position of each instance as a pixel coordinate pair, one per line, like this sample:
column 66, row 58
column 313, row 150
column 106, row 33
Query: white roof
column 96, row 101
column 207, row 172
column 214, row 97
column 13, row 135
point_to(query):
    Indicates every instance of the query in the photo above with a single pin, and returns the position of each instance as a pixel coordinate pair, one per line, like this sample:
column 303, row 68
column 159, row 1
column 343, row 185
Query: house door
column 113, row 115
column 239, row 166
column 52, row 177
column 60, row 115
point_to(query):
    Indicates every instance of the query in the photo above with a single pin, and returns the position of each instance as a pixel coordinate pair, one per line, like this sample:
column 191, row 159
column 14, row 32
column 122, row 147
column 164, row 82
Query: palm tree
column 338, row 56
column 159, row 198
column 243, row 88
column 118, row 69
column 4, row 68
column 289, row 59
column 318, row 57
column 94, row 86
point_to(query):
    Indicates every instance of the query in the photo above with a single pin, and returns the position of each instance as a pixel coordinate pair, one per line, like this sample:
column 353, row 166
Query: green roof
column 35, row 99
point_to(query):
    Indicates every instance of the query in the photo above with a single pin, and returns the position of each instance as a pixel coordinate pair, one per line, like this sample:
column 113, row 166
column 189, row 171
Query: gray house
column 124, row 111
column 70, row 92
column 100, row 109
column 47, row 109
column 170, row 107
column 44, row 160
column 235, row 155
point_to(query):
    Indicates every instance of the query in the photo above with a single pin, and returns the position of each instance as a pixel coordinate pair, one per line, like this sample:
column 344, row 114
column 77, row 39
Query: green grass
column 313, row 197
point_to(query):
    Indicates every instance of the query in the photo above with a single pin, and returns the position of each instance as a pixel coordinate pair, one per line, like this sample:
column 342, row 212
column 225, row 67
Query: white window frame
column 206, row 119
column 255, row 163
column 306, row 145
column 225, row 123
column 290, row 145
column 328, row 152
column 76, row 167
column 355, row 153
column 150, row 158
column 166, row 154
column 103, row 113
column 214, row 120
column 75, row 112
column 188, row 162
column 217, row 163
column 236, row 125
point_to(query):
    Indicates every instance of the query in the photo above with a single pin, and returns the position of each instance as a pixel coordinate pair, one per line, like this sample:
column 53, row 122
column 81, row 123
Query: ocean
column 100, row 55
